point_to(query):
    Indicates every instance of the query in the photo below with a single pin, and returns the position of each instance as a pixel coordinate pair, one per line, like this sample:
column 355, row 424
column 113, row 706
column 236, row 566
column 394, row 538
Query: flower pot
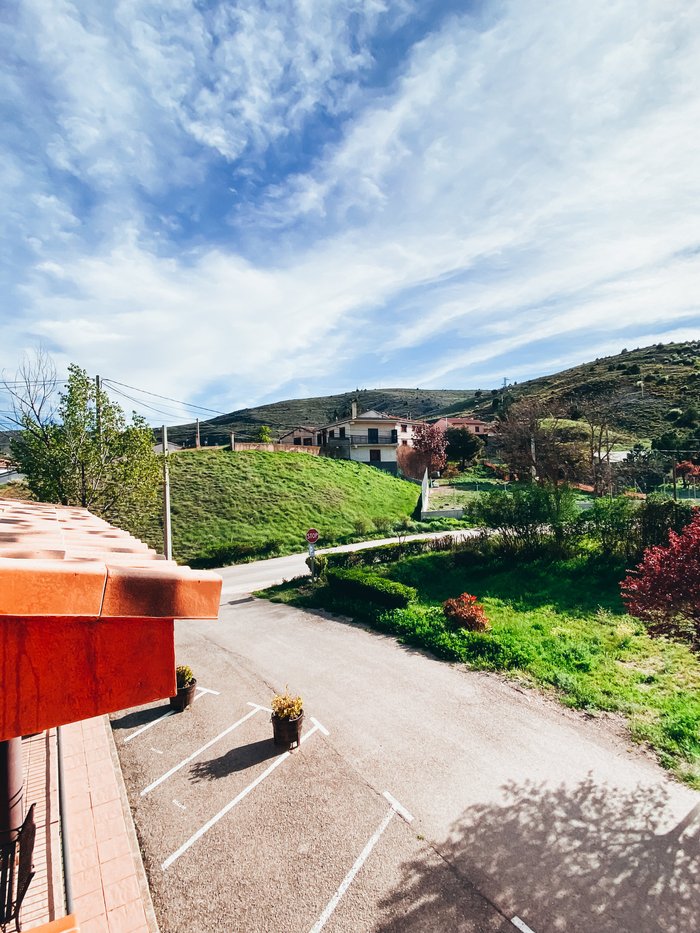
column 183, row 697
column 287, row 731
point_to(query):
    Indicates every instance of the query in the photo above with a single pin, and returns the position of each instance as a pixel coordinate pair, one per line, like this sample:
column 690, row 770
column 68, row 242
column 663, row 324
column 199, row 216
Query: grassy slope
column 671, row 374
column 564, row 625
column 220, row 498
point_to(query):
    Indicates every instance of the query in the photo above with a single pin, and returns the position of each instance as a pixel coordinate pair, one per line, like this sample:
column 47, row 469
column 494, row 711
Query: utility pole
column 167, row 534
column 675, row 481
column 233, row 441
column 98, row 413
column 198, row 444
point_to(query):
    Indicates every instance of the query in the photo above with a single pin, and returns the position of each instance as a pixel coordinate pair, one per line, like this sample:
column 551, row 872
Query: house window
column 307, row 441
column 342, row 432
column 404, row 443
column 319, row 439
column 404, row 428
column 375, row 456
column 476, row 428
column 331, row 433
column 297, row 441
column 373, row 436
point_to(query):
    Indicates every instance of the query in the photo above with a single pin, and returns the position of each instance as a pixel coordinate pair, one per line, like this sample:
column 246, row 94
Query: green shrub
column 222, row 555
column 360, row 583
column 612, row 524
column 528, row 519
column 321, row 565
column 363, row 526
column 183, row 676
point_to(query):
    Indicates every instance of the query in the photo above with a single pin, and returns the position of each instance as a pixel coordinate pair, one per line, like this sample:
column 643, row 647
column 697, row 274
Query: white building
column 372, row 437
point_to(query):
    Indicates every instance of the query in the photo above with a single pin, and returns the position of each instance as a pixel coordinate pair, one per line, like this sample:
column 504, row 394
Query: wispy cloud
column 237, row 185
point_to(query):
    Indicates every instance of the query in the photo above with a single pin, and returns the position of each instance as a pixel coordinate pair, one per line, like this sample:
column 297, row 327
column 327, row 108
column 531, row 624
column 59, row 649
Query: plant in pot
column 287, row 718
column 186, row 687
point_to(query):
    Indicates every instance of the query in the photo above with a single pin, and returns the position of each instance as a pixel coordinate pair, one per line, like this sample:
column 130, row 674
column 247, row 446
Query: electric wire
column 166, row 398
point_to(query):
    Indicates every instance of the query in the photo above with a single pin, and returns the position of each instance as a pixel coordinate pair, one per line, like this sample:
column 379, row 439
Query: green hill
column 650, row 386
column 227, row 506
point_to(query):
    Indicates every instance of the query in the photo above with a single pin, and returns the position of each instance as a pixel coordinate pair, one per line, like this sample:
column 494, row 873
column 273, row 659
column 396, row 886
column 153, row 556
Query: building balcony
column 368, row 439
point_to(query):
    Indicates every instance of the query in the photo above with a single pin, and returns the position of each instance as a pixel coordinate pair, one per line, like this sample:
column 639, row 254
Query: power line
column 166, row 398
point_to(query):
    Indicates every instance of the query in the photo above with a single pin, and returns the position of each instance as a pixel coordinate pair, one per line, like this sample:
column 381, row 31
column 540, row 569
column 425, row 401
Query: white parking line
column 201, row 691
column 175, row 768
column 395, row 807
column 521, row 925
column 317, row 727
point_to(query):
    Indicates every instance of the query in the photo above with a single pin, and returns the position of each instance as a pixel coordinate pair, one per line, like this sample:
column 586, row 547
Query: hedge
column 359, row 583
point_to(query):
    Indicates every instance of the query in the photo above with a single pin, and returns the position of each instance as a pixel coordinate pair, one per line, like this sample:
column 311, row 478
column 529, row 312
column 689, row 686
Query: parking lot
column 422, row 797
column 239, row 834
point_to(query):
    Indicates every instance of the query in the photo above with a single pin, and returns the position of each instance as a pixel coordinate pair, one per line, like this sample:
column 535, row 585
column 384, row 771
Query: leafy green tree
column 462, row 445
column 81, row 450
column 263, row 434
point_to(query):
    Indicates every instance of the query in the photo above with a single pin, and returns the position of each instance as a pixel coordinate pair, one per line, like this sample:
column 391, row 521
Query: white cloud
column 529, row 177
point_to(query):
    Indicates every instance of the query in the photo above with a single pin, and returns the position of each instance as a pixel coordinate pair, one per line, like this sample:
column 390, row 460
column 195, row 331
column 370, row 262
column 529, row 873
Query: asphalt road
column 522, row 810
column 247, row 578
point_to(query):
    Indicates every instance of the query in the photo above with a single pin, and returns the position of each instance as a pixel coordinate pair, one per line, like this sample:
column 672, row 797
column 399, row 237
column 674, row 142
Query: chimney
column 354, row 410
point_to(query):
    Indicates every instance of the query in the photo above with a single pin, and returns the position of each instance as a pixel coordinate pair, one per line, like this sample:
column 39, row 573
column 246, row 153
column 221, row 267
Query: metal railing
column 384, row 438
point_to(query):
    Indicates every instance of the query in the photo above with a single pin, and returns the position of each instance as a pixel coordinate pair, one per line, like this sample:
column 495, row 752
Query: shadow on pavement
column 581, row 859
column 237, row 759
column 139, row 717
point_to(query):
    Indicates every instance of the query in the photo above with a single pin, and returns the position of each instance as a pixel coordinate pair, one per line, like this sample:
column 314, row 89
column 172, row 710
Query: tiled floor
column 44, row 899
column 107, row 877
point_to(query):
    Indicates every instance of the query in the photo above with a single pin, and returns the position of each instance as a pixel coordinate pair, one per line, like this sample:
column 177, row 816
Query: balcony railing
column 388, row 437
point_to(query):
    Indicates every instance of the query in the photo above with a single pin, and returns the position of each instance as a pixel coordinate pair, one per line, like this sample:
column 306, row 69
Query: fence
column 275, row 448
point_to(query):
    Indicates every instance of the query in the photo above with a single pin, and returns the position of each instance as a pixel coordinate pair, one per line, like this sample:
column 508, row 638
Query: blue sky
column 238, row 202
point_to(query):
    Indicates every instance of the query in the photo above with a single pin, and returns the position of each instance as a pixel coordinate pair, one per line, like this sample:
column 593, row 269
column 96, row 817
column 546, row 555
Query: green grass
column 265, row 502
column 559, row 625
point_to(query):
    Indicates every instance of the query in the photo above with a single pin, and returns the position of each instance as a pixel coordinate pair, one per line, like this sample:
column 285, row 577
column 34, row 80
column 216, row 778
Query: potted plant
column 186, row 686
column 287, row 718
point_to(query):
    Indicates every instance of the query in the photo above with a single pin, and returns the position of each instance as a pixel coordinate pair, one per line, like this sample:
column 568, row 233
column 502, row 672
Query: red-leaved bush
column 665, row 588
column 465, row 612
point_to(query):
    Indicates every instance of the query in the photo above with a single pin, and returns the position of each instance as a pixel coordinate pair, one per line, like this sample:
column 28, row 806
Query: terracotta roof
column 63, row 561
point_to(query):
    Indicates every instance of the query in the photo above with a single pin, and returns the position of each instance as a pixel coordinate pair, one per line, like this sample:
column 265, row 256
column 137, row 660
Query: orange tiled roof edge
column 63, row 561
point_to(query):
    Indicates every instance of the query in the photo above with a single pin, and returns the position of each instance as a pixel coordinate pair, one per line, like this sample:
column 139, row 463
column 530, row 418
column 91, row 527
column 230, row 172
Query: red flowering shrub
column 665, row 588
column 465, row 612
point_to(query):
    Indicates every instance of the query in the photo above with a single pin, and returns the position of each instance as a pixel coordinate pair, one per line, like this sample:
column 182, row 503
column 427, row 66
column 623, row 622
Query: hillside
column 226, row 506
column 670, row 374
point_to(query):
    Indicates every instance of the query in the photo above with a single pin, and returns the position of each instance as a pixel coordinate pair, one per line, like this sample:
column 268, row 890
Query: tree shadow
column 236, row 759
column 139, row 717
column 586, row 859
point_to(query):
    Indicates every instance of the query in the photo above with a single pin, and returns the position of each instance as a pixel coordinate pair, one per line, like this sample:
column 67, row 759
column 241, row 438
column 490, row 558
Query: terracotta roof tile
column 63, row 561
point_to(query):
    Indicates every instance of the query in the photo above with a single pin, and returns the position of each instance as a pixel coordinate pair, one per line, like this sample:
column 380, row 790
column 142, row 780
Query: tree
column 462, row 445
column 664, row 590
column 430, row 440
column 686, row 469
column 263, row 434
column 75, row 446
column 599, row 413
column 534, row 443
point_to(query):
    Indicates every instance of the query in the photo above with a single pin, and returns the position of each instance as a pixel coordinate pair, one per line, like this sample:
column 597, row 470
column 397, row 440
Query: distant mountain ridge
column 648, row 384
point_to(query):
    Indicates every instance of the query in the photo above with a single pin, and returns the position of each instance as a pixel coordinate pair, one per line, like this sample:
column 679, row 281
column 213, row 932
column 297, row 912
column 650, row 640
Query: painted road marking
column 176, row 768
column 394, row 808
column 178, row 804
column 521, row 925
column 156, row 750
column 317, row 727
column 201, row 691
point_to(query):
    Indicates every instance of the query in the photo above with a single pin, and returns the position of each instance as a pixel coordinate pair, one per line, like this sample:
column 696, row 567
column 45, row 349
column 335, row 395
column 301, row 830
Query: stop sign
column 312, row 536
